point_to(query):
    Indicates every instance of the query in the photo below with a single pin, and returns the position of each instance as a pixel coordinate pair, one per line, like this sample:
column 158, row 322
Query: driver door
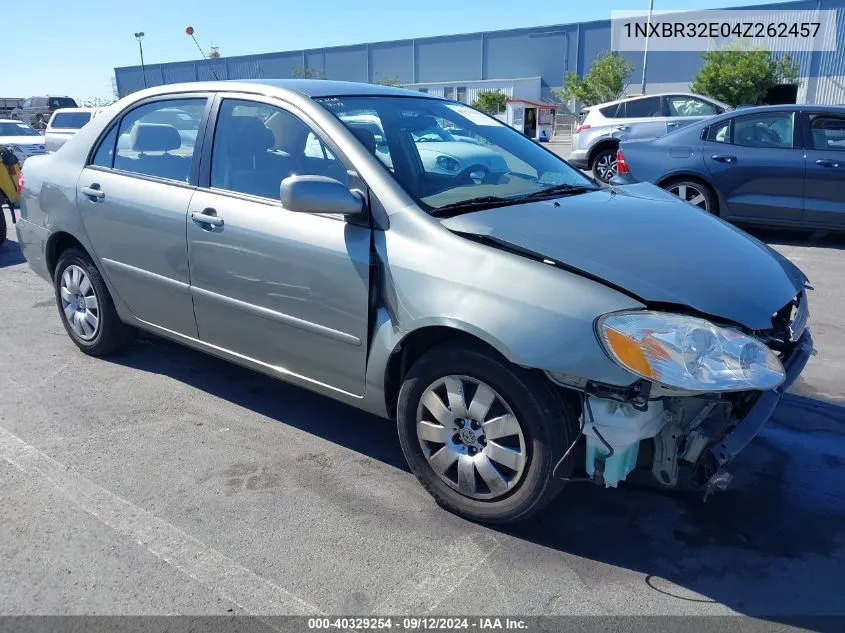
column 287, row 290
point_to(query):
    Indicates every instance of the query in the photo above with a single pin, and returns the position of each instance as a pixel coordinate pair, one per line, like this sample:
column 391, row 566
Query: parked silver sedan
column 518, row 327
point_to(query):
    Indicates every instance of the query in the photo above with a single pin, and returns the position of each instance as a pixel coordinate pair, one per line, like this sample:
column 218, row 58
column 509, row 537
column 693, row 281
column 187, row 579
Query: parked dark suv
column 36, row 111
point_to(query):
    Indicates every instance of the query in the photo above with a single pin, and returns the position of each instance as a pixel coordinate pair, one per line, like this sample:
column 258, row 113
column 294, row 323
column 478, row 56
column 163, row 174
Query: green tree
column 388, row 81
column 737, row 75
column 605, row 81
column 490, row 101
column 97, row 102
column 308, row 73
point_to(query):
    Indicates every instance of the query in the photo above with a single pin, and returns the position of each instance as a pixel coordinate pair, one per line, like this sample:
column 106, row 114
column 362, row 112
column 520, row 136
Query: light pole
column 645, row 52
column 139, row 36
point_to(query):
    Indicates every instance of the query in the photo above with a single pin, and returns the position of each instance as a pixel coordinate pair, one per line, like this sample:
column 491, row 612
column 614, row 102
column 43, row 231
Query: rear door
column 133, row 199
column 757, row 166
column 643, row 118
column 681, row 110
column 824, row 193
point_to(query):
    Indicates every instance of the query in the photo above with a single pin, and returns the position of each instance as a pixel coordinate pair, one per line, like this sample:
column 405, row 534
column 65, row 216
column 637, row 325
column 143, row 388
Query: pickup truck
column 64, row 123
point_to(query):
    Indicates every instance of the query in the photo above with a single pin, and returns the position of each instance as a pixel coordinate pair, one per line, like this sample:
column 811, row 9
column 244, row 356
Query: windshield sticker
column 473, row 115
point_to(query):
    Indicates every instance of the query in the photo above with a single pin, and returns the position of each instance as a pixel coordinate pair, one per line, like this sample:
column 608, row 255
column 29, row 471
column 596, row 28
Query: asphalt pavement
column 163, row 481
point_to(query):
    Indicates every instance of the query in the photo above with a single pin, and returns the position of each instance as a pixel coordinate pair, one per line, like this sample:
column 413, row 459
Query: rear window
column 643, row 108
column 62, row 102
column 70, row 120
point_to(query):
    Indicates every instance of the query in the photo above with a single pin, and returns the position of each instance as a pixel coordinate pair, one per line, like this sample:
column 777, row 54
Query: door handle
column 622, row 128
column 826, row 162
column 723, row 158
column 208, row 216
column 672, row 124
column 94, row 191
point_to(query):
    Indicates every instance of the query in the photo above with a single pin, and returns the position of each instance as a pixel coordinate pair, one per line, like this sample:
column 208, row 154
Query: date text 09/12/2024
column 416, row 623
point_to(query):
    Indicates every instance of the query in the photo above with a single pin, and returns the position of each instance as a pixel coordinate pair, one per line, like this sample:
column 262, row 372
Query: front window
column 448, row 154
column 681, row 105
column 257, row 145
column 827, row 132
column 9, row 128
column 70, row 120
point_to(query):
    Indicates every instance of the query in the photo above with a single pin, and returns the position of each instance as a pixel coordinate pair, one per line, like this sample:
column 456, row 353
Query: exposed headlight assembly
column 688, row 353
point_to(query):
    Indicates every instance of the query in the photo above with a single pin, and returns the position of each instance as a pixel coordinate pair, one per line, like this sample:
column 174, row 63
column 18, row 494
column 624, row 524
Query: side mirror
column 319, row 194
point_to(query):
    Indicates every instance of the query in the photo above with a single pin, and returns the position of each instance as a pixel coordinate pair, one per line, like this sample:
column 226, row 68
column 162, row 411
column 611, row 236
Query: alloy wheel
column 79, row 303
column 690, row 193
column 606, row 166
column 471, row 437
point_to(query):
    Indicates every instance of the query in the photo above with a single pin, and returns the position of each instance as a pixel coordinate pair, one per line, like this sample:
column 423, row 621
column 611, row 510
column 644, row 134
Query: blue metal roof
column 544, row 51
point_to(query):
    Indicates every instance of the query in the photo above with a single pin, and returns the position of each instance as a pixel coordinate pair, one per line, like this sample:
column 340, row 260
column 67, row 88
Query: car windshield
column 490, row 163
column 70, row 120
column 12, row 128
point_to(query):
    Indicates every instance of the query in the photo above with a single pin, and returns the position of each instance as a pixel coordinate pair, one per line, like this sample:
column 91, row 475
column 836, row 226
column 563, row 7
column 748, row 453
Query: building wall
column 528, row 88
column 547, row 52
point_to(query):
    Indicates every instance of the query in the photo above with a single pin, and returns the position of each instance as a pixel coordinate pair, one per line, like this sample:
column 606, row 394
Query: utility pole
column 139, row 36
column 645, row 52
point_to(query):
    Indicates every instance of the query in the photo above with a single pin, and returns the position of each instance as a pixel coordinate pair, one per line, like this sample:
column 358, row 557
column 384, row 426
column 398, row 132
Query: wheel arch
column 607, row 143
column 57, row 243
column 416, row 343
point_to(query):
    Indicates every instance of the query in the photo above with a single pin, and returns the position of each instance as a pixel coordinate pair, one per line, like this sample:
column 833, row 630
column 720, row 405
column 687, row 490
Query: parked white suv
column 64, row 123
column 601, row 127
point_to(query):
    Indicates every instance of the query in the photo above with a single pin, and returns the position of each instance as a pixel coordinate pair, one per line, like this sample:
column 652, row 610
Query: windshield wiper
column 557, row 190
column 473, row 204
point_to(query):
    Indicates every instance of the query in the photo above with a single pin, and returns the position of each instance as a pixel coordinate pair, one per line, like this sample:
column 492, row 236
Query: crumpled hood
column 649, row 243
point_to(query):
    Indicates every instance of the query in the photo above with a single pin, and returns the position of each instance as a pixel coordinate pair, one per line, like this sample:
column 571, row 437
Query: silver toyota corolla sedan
column 523, row 328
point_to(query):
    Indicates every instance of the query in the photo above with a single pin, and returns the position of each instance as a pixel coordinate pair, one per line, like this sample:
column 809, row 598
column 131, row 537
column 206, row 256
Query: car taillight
column 20, row 182
column 580, row 128
column 621, row 163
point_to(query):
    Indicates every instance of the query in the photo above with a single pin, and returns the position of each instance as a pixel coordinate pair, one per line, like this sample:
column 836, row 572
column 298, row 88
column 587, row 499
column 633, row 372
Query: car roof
column 789, row 107
column 314, row 88
column 60, row 110
column 656, row 94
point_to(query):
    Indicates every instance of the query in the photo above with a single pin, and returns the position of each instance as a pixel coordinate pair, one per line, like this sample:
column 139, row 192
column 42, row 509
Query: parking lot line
column 220, row 574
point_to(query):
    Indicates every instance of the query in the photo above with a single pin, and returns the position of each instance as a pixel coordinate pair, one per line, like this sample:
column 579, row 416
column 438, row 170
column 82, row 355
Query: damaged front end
column 680, row 439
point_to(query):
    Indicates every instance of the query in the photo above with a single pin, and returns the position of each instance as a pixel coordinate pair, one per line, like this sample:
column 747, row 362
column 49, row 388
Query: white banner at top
column 772, row 30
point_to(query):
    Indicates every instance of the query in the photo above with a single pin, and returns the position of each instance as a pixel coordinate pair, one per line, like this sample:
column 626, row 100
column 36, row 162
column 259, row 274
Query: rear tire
column 529, row 427
column 696, row 193
column 86, row 307
column 604, row 165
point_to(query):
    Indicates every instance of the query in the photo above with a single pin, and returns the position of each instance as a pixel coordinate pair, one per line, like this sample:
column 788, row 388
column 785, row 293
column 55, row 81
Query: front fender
column 535, row 314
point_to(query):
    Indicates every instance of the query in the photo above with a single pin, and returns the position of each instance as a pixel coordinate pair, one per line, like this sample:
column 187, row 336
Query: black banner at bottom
column 419, row 624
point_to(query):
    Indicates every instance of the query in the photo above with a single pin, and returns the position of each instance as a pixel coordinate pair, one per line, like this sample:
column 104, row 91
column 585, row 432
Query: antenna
column 190, row 31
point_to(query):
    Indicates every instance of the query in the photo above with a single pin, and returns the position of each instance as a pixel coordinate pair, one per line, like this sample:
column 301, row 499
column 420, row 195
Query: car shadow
column 10, row 254
column 770, row 547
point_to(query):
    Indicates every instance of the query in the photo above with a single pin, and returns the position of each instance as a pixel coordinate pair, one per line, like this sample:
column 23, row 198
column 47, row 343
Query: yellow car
column 10, row 171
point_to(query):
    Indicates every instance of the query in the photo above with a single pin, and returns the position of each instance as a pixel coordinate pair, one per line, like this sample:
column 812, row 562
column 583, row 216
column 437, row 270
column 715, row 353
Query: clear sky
column 71, row 48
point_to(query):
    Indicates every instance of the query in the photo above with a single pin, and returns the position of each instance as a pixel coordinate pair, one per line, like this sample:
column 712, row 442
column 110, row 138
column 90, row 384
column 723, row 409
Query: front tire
column 484, row 436
column 86, row 307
